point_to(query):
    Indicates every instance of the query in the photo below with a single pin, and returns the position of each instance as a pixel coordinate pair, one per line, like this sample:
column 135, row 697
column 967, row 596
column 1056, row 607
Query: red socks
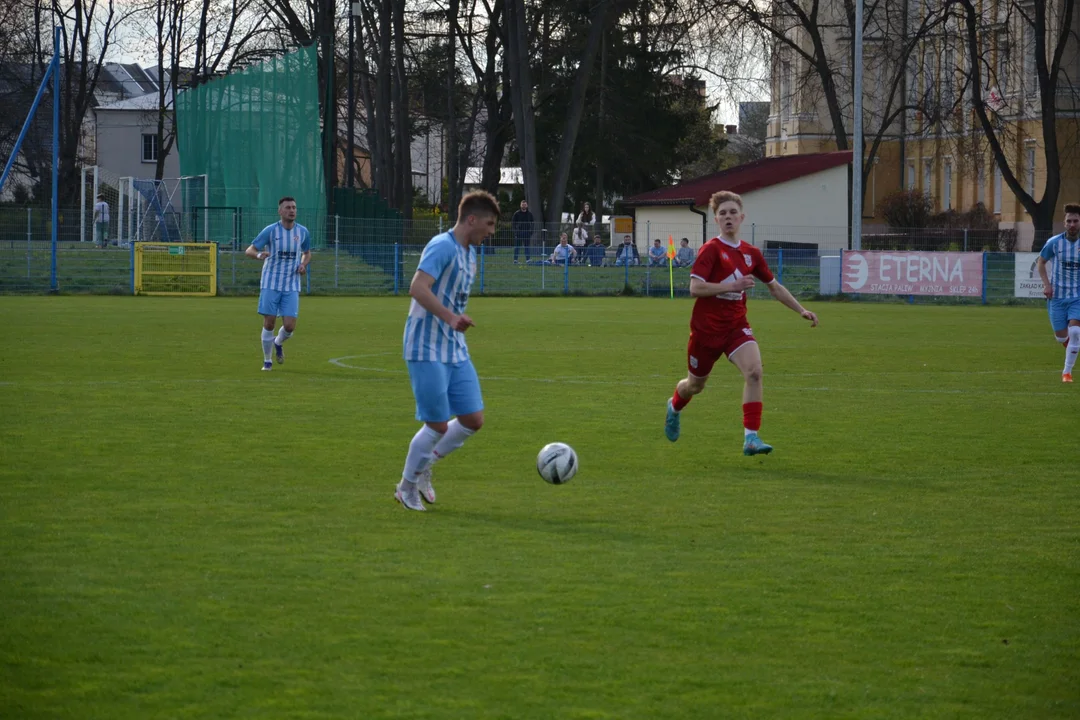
column 751, row 414
column 677, row 401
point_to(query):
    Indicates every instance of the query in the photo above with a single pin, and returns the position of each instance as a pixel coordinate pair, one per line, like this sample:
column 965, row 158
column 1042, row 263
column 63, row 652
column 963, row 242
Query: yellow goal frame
column 176, row 269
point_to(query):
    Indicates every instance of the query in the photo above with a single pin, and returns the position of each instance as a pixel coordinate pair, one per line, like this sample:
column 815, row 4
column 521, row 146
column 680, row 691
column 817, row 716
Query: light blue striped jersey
column 427, row 338
column 286, row 247
column 1065, row 275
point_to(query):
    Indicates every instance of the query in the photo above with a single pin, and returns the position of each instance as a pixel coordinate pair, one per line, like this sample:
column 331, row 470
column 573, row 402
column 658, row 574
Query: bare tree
column 519, row 77
column 1036, row 75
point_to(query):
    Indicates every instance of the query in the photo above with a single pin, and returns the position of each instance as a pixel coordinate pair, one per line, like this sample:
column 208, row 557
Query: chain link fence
column 379, row 257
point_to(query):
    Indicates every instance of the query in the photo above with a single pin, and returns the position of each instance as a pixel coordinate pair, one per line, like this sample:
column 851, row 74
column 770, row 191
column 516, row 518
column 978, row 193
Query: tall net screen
column 255, row 135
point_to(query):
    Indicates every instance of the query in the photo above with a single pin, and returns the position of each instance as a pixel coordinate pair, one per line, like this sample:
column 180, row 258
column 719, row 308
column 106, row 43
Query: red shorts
column 703, row 351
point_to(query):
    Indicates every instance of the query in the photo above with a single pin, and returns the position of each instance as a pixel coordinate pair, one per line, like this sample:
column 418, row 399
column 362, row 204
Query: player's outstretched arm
column 782, row 294
column 420, row 291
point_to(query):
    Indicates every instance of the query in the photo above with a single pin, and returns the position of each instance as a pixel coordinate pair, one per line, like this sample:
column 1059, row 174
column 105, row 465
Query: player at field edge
column 724, row 270
column 444, row 381
column 1062, row 291
column 284, row 262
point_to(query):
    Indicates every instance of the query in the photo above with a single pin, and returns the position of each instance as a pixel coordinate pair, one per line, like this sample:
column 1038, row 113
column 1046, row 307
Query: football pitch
column 184, row 536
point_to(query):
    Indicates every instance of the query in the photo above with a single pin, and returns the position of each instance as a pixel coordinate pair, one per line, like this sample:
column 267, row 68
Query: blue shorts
column 443, row 390
column 1062, row 311
column 279, row 303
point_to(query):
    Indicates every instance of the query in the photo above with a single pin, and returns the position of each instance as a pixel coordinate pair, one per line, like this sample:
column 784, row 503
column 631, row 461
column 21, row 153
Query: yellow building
column 940, row 149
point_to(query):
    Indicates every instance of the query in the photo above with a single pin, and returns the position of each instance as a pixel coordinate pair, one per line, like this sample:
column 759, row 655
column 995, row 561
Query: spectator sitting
column 596, row 252
column 685, row 255
column 628, row 253
column 563, row 254
column 657, row 255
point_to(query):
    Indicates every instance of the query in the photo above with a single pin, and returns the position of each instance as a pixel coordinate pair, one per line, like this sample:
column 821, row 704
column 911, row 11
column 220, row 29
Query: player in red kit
column 724, row 270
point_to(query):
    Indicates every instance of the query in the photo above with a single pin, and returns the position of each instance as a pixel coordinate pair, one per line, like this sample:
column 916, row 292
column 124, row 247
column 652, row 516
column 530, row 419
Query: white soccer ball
column 557, row 463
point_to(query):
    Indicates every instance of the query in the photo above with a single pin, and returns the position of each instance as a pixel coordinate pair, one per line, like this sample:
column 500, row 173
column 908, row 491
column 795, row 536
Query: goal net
column 175, row 268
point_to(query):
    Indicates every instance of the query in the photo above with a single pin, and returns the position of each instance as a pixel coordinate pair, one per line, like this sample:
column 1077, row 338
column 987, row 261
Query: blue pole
column 626, row 264
column 780, row 265
column 307, row 275
column 566, row 276
column 482, row 254
column 397, row 271
column 26, row 125
column 55, row 150
column 984, row 259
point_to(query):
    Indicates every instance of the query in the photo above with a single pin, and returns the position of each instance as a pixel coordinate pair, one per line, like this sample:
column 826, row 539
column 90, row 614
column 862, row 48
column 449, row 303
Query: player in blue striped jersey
column 443, row 378
column 285, row 251
column 1062, row 289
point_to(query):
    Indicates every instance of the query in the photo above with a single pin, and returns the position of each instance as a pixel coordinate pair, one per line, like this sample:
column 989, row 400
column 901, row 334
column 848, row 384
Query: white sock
column 1072, row 349
column 282, row 336
column 455, row 437
column 268, row 344
column 420, row 453
column 747, row 432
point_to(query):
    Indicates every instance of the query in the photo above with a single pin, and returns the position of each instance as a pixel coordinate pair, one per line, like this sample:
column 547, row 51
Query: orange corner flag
column 670, row 247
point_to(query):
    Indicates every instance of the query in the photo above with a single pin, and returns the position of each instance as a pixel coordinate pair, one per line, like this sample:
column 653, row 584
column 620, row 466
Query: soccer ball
column 557, row 463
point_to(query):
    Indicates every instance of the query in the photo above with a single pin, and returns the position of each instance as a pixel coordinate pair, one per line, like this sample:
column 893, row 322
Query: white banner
column 1028, row 283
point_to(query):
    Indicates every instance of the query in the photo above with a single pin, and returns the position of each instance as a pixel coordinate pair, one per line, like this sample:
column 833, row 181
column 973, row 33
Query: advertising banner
column 1028, row 283
column 913, row 273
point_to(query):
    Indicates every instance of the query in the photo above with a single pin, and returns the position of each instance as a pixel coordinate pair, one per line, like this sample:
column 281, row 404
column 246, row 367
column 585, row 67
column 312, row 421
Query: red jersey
column 718, row 262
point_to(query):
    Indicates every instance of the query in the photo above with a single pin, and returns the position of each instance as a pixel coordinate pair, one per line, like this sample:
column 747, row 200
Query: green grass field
column 184, row 536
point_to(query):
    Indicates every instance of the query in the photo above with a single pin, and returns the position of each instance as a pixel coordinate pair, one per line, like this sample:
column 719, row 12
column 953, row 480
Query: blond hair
column 722, row 197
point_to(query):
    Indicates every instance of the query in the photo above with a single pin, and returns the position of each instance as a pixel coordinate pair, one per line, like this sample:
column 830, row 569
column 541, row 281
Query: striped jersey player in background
column 443, row 378
column 724, row 270
column 1062, row 291
column 285, row 251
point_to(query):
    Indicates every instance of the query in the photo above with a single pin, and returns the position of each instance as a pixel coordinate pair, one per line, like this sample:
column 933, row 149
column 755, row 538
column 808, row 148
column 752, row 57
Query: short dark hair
column 285, row 200
column 100, row 197
column 478, row 202
column 685, row 240
column 1072, row 208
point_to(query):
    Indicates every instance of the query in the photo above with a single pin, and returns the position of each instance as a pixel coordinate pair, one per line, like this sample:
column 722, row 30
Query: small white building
column 797, row 201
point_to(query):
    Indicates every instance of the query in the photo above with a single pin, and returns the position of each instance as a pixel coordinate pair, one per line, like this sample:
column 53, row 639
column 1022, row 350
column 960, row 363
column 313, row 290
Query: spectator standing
column 586, row 217
column 101, row 222
column 521, row 226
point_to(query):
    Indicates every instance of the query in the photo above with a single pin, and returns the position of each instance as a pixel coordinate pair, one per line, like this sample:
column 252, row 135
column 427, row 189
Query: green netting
column 255, row 135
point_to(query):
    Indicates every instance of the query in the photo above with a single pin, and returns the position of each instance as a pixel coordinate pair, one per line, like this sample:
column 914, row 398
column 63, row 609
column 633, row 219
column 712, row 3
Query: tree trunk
column 521, row 89
column 402, row 139
column 576, row 109
column 454, row 189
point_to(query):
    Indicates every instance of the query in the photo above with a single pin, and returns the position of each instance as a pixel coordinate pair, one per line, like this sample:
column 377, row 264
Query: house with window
column 932, row 140
column 126, row 138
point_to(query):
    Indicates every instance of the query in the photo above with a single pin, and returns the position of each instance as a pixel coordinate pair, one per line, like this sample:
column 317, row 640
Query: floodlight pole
column 55, row 151
column 857, row 169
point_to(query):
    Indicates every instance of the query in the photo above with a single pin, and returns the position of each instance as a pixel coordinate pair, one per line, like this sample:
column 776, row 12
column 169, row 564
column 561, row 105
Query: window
column 947, row 191
column 785, row 90
column 911, row 175
column 1030, row 74
column 1031, row 171
column 997, row 189
column 927, row 176
column 948, row 70
column 1003, row 64
column 149, row 148
column 982, row 183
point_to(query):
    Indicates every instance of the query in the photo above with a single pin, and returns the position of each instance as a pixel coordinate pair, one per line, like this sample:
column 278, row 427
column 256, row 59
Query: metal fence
column 365, row 257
